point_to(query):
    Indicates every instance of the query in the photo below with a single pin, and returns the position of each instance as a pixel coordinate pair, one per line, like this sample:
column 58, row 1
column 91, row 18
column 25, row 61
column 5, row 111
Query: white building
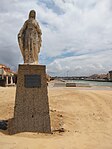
column 6, row 76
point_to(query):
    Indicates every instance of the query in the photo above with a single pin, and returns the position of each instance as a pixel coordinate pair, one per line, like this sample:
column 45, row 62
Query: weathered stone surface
column 31, row 112
column 29, row 39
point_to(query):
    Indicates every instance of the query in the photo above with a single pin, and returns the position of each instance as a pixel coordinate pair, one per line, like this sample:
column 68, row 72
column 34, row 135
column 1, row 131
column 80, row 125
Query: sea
column 92, row 83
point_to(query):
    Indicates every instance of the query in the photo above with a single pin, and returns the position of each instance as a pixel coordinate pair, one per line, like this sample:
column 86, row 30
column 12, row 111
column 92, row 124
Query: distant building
column 110, row 75
column 98, row 77
column 7, row 77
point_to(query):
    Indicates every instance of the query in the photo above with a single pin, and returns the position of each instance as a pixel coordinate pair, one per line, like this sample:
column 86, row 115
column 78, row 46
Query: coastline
column 78, row 85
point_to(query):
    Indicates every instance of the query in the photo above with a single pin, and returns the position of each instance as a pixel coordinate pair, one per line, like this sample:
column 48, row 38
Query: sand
column 86, row 116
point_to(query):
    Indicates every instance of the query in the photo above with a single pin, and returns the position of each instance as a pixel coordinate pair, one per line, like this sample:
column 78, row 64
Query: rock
column 60, row 115
column 3, row 124
column 59, row 130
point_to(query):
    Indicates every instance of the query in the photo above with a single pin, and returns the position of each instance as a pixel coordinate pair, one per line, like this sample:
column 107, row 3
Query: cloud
column 77, row 34
column 81, row 65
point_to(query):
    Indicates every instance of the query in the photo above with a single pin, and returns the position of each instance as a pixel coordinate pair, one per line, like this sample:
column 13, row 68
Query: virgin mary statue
column 29, row 39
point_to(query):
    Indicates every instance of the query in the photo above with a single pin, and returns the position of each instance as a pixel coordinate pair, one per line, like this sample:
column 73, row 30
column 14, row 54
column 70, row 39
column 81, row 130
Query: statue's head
column 32, row 14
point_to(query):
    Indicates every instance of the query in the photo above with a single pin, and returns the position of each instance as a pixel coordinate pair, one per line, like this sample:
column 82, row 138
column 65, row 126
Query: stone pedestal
column 31, row 111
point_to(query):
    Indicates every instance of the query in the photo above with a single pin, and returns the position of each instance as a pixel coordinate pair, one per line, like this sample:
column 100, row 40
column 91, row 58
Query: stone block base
column 31, row 111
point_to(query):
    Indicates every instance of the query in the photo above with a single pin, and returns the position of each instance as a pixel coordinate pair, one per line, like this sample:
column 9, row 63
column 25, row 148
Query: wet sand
column 86, row 116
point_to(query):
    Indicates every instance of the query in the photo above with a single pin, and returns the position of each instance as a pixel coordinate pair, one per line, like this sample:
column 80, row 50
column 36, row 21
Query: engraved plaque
column 32, row 81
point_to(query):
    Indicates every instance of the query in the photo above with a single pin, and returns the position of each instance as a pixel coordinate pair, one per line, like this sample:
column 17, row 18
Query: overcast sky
column 76, row 34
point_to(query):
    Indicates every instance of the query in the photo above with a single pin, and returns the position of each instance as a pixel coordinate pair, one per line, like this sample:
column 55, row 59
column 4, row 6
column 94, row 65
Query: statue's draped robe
column 30, row 41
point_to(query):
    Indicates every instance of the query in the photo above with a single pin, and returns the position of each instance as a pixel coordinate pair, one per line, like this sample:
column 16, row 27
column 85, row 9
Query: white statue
column 29, row 39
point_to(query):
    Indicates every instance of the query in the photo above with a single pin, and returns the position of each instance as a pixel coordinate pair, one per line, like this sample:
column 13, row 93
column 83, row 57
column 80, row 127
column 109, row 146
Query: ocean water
column 92, row 83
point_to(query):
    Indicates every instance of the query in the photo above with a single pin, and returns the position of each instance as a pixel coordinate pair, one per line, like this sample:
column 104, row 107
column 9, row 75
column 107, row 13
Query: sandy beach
column 85, row 115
